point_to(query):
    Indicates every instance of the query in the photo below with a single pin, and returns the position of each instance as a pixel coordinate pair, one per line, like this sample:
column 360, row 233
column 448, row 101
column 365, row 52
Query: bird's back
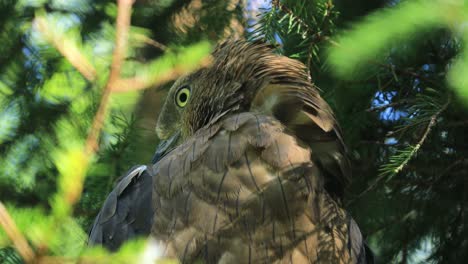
column 246, row 190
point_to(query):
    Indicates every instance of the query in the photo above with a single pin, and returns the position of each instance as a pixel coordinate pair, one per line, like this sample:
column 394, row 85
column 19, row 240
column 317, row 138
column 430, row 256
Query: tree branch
column 122, row 28
column 316, row 36
column 144, row 82
column 432, row 122
column 19, row 241
column 67, row 48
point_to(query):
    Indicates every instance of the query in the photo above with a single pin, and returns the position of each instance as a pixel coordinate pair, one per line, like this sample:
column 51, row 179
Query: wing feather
column 127, row 212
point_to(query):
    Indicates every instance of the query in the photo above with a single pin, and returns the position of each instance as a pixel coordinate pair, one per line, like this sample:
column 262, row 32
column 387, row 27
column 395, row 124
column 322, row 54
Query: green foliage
column 53, row 89
column 9, row 256
column 457, row 75
column 10, row 118
column 300, row 26
column 409, row 52
column 425, row 110
column 407, row 21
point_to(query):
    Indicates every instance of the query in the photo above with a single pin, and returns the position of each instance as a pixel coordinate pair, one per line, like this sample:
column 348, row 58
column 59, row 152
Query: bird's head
column 223, row 87
column 245, row 76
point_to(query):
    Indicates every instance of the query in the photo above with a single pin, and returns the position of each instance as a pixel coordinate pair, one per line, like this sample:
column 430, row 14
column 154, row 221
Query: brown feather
column 252, row 188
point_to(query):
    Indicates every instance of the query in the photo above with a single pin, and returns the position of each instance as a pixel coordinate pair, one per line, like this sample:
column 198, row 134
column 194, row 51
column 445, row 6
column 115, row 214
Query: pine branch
column 398, row 162
column 271, row 25
column 415, row 149
column 278, row 5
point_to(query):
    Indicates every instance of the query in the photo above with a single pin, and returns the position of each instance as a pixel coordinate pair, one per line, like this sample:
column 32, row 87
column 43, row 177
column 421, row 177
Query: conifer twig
column 430, row 125
column 315, row 36
column 432, row 122
column 121, row 37
column 19, row 241
column 278, row 5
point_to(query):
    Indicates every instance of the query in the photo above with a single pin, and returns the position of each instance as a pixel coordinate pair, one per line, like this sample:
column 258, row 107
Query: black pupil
column 183, row 97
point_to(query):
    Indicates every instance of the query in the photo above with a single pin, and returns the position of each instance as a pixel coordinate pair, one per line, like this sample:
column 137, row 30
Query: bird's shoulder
column 127, row 212
column 244, row 138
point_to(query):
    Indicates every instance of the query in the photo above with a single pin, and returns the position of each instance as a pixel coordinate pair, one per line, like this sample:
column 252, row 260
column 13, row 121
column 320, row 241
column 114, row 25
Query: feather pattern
column 252, row 193
column 127, row 212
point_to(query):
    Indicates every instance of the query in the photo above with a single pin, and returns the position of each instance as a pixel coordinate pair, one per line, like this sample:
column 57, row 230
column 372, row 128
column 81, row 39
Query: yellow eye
column 182, row 96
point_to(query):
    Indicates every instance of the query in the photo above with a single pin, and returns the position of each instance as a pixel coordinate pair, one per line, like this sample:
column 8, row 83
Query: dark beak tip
column 164, row 147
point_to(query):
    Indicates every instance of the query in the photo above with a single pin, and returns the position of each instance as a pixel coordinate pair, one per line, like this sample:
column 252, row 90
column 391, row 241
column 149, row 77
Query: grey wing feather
column 127, row 212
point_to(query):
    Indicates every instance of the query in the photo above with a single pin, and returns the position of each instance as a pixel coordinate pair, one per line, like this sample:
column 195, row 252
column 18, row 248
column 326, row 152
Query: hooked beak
column 165, row 146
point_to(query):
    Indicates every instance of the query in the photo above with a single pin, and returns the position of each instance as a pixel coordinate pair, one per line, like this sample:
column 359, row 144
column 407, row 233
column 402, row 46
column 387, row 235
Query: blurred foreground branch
column 67, row 48
column 123, row 25
column 144, row 82
column 19, row 241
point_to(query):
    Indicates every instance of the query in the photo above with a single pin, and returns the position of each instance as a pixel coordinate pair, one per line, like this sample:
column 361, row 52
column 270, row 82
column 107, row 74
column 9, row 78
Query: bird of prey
column 251, row 169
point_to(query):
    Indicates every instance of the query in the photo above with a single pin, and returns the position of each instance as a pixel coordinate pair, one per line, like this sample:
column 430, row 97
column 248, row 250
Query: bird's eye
column 182, row 96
